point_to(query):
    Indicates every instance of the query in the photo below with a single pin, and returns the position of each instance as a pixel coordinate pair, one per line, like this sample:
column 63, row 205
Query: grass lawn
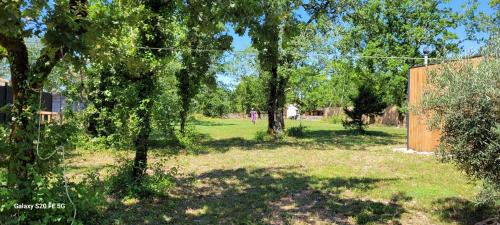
column 329, row 176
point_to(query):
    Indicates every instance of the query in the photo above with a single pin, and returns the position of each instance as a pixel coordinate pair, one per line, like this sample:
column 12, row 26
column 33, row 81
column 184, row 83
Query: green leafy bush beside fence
column 465, row 101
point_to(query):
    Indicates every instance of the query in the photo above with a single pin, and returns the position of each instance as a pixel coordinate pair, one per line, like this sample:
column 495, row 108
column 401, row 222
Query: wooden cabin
column 52, row 104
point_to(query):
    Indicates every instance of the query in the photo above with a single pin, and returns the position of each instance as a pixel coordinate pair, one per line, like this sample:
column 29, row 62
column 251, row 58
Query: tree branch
column 18, row 57
column 317, row 11
column 9, row 43
column 45, row 63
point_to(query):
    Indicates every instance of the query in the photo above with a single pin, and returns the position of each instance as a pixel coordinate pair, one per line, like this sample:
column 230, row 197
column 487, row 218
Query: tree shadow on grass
column 267, row 196
column 81, row 169
column 350, row 139
column 167, row 146
column 462, row 211
column 315, row 139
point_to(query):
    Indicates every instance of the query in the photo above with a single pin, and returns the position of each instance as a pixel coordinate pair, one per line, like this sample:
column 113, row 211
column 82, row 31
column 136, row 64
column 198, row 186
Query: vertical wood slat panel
column 420, row 138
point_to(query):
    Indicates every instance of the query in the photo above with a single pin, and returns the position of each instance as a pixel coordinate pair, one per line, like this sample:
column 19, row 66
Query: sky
column 243, row 42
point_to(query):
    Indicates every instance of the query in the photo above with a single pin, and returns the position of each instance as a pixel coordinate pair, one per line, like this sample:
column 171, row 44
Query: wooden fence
column 420, row 138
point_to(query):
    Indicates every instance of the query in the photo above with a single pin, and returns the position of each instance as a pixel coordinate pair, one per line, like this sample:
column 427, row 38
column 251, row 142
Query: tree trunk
column 185, row 92
column 141, row 145
column 143, row 112
column 276, row 102
column 281, row 100
column 23, row 121
column 271, row 102
column 26, row 84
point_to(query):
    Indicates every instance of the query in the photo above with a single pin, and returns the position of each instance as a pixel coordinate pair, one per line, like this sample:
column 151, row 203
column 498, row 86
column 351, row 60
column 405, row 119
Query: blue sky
column 243, row 42
column 483, row 7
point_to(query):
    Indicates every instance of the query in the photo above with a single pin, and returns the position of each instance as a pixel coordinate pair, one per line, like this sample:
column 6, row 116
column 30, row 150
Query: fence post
column 408, row 112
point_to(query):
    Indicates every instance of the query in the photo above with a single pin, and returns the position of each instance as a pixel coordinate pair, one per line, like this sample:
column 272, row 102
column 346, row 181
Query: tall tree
column 204, row 42
column 107, row 82
column 60, row 26
column 271, row 26
column 384, row 28
column 153, row 35
column 402, row 28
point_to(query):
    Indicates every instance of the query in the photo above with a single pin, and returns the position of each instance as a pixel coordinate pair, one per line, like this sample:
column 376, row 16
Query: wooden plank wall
column 420, row 138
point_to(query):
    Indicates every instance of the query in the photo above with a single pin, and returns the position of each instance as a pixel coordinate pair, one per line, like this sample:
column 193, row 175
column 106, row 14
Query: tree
column 108, row 95
column 308, row 89
column 61, row 27
column 204, row 42
column 386, row 28
column 152, row 36
column 250, row 93
column 481, row 26
column 166, row 105
column 214, row 101
column 127, row 61
column 272, row 25
column 105, row 85
column 366, row 103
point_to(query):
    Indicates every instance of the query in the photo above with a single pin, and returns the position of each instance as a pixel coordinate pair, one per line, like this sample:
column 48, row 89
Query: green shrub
column 161, row 179
column 465, row 102
column 4, row 147
column 49, row 193
column 189, row 140
column 262, row 136
column 490, row 193
column 336, row 119
column 122, row 185
column 47, row 187
column 296, row 131
column 367, row 102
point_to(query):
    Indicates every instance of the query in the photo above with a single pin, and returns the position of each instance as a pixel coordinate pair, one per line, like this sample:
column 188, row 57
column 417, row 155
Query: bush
column 122, row 184
column 367, row 102
column 4, row 147
column 465, row 102
column 336, row 119
column 54, row 137
column 189, row 140
column 50, row 193
column 47, row 189
column 296, row 131
column 262, row 136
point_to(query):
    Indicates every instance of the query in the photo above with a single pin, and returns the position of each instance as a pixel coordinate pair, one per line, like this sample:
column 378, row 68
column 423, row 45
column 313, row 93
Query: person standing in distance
column 253, row 115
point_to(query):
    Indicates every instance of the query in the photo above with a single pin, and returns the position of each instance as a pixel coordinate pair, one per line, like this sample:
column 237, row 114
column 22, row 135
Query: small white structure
column 292, row 112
